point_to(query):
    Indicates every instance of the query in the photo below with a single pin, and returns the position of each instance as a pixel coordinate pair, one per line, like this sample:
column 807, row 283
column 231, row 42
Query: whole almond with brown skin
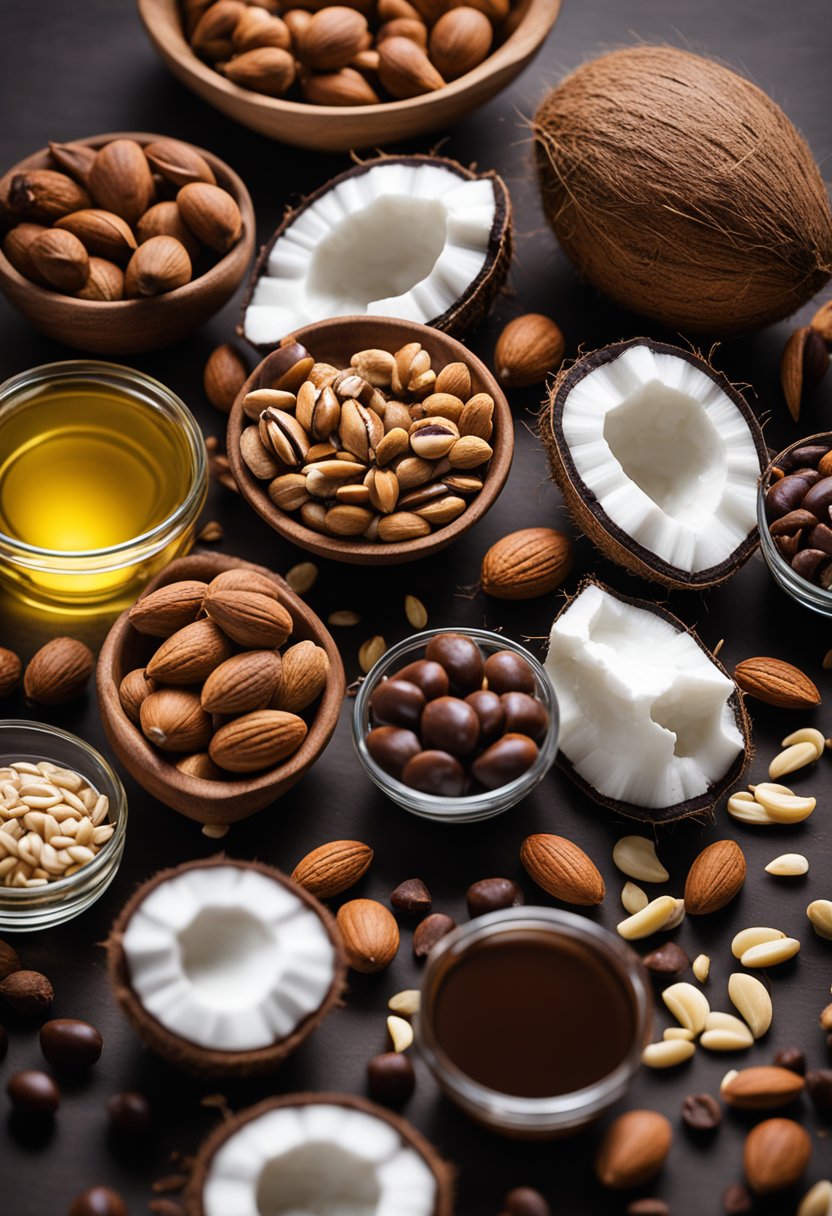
column 211, row 36
column 102, row 233
column 120, row 179
column 633, row 1149
column 562, row 869
column 333, row 36
column 257, row 740
column 169, row 608
column 258, row 28
column 776, row 1153
column 526, row 564
column 60, row 259
column 803, row 365
column 249, row 617
column 715, row 878
column 189, row 655
column 346, row 87
column 159, row 265
column 105, row 281
column 777, row 683
column 165, row 219
column 405, row 70
column 224, row 376
column 267, row 69
column 762, row 1088
column 174, row 720
column 16, row 246
column 133, row 689
column 333, row 868
column 27, row 992
column 58, row 672
column 528, row 350
column 242, row 683
column 178, row 162
column 370, row 934
column 201, row 766
column 243, row 580
column 44, row 196
column 460, row 40
column 74, row 159
column 404, row 27
column 10, row 671
column 211, row 214
column 303, row 676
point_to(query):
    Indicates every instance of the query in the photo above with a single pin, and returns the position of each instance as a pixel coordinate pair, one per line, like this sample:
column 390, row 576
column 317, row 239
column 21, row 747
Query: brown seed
column 819, row 1089
column 459, row 41
column 120, row 179
column 159, row 265
column 33, row 1093
column 105, row 281
column 391, row 1078
column 43, row 196
column 412, row 897
column 668, row 959
column 165, row 219
column 58, row 672
column 178, row 162
column 27, row 992
column 777, row 683
column 633, row 1149
column 9, row 960
column 701, row 1113
column 102, row 233
column 60, row 259
column 430, row 931
column 791, row 1058
column 224, row 376
column 803, row 365
column 266, row 69
column 129, row 1112
column 405, row 70
column 528, row 349
column 776, row 1153
column 737, row 1201
column 525, row 1201
column 211, row 214
column 333, row 868
column 10, row 671
column 491, row 894
column 370, row 934
column 70, row 1045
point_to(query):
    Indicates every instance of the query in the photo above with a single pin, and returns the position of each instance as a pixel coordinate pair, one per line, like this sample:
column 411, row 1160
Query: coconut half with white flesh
column 651, row 725
column 418, row 238
column 658, row 458
column 224, row 967
column 318, row 1155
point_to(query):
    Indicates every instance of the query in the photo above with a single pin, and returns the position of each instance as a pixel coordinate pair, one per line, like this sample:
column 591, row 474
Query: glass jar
column 539, row 1117
column 810, row 595
column 26, row 908
column 473, row 807
column 90, row 409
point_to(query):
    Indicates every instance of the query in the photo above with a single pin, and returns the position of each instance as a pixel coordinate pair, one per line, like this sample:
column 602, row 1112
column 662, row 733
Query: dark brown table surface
column 75, row 69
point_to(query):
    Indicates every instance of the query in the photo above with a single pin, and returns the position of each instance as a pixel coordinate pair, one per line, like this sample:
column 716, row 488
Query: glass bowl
column 25, row 908
column 470, row 808
column 809, row 595
column 68, row 579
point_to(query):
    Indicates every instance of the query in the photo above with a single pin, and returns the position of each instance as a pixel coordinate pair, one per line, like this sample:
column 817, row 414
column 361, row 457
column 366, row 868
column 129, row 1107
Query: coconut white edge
column 397, row 240
column 644, row 713
column 319, row 1159
column 667, row 454
column 228, row 959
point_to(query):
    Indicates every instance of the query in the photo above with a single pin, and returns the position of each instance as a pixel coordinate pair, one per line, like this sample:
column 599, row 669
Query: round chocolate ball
column 391, row 747
column 70, row 1045
column 397, row 703
column 489, row 709
column 504, row 761
column 461, row 658
column 391, row 1078
column 430, row 677
column 450, row 725
column 506, row 671
column 525, row 715
column 435, row 772
column 129, row 1112
column 33, row 1093
column 98, row 1201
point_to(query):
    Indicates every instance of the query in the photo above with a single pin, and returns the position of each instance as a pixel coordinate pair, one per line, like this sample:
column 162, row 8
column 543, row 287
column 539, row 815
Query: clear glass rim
column 561, row 1108
column 786, row 575
column 124, row 378
column 11, row 896
column 450, row 807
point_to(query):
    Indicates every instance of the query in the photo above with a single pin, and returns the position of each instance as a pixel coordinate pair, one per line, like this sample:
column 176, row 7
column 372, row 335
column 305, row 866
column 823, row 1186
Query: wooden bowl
column 211, row 801
column 335, row 341
column 124, row 327
column 340, row 128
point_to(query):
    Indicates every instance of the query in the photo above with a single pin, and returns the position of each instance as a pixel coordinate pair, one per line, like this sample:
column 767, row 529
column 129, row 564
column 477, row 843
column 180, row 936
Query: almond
column 333, row 868
column 528, row 350
column 74, row 159
column 762, row 1088
column 211, row 36
column 405, row 70
column 165, row 219
column 169, row 608
column 633, row 1149
column 242, row 683
column 120, row 179
column 715, row 878
column 562, row 869
column 244, row 580
column 211, row 213
column 10, row 671
column 224, row 376
column 460, row 40
column 303, row 677
column 776, row 1153
column 332, row 38
column 160, row 264
column 267, row 69
column 174, row 720
column 257, row 740
column 249, row 617
column 178, row 162
column 258, row 28
column 189, row 655
column 370, row 933
column 102, row 233
column 105, row 281
column 822, row 321
column 132, row 691
column 44, row 196
column 201, row 766
column 61, row 259
column 16, row 246
column 526, row 564
column 776, row 683
column 803, row 365
column 58, row 672
column 346, row 87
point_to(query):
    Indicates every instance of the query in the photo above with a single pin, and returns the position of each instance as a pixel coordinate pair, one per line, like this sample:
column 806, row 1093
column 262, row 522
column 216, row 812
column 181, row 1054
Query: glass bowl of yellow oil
column 103, row 474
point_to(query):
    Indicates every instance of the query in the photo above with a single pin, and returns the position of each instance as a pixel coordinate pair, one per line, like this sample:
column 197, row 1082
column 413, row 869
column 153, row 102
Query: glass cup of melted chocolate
column 533, row 1020
column 456, row 726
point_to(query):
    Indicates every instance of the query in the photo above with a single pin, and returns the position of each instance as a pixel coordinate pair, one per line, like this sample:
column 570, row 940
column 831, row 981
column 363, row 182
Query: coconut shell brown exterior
column 701, row 807
column 584, row 507
column 191, row 1057
column 470, row 309
column 441, row 1171
column 682, row 191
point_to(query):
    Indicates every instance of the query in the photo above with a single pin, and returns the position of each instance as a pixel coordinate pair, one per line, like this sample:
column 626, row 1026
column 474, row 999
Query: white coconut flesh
column 667, row 454
column 397, row 240
column 321, row 1159
column 228, row 959
column 644, row 712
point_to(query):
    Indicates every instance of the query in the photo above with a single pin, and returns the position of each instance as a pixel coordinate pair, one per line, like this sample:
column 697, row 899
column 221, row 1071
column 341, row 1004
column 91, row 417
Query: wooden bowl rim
column 529, row 34
column 313, row 337
column 231, row 266
column 197, row 566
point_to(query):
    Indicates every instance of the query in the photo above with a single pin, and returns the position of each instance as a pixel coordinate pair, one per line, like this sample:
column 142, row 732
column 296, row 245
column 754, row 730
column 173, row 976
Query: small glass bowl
column 473, row 807
column 25, row 908
column 72, row 580
column 534, row 1118
column 809, row 595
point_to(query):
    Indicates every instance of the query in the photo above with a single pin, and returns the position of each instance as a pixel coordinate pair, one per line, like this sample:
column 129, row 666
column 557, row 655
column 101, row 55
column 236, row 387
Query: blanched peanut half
column 405, row 1003
column 806, row 734
column 679, row 1032
column 701, row 967
column 636, row 857
column 746, row 938
column 688, row 1005
column 744, row 807
column 788, row 865
column 796, row 756
column 401, row 1033
column 649, row 920
column 676, row 917
column 668, row 1053
column 633, row 898
column 769, row 954
column 781, row 804
column 752, row 1000
column 724, row 1032
column 820, row 914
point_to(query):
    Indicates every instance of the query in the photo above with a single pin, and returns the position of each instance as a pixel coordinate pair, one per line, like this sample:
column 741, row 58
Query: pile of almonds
column 339, row 55
column 384, row 450
column 218, row 692
column 122, row 222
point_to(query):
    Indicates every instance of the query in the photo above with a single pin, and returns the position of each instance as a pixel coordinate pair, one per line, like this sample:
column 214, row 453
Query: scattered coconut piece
column 788, row 865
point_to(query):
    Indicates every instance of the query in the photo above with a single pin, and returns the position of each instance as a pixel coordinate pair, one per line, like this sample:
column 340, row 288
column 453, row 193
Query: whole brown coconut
column 682, row 191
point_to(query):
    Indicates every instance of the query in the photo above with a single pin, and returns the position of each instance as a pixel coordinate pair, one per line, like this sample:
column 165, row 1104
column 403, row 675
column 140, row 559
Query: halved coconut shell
column 184, row 1052
column 416, row 1154
column 702, row 804
column 621, row 452
column 438, row 266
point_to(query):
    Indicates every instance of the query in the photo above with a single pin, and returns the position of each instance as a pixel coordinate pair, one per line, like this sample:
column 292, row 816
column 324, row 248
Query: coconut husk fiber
column 682, row 191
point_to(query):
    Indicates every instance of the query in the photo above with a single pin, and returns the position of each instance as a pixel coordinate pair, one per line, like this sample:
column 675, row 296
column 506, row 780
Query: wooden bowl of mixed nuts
column 124, row 242
column 370, row 440
column 219, row 688
column 333, row 77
